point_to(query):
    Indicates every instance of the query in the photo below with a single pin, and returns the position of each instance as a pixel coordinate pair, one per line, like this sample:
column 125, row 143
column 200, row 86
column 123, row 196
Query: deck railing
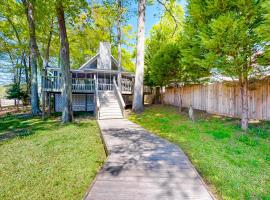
column 83, row 84
column 119, row 97
column 126, row 86
column 105, row 86
column 54, row 83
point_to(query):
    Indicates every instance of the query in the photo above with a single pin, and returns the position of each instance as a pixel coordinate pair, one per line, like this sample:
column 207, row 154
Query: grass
column 47, row 160
column 235, row 165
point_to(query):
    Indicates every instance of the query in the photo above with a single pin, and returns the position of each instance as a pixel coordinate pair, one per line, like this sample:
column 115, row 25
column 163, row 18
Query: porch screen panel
column 78, row 102
column 90, row 102
column 58, row 103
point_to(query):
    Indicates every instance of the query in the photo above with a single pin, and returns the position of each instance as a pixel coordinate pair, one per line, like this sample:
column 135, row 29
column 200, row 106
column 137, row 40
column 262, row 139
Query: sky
column 153, row 13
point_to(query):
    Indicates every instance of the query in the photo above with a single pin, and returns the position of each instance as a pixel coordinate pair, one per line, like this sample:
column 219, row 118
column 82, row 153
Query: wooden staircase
column 109, row 106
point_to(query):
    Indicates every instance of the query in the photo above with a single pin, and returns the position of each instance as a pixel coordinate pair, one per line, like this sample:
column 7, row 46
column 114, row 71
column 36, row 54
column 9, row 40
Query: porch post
column 43, row 76
column 49, row 104
column 119, row 81
column 95, row 96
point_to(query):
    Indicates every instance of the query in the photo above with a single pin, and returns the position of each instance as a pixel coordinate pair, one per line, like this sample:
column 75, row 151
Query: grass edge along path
column 237, row 166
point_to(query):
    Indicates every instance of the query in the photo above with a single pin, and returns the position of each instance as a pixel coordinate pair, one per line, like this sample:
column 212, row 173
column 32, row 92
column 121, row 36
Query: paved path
column 142, row 166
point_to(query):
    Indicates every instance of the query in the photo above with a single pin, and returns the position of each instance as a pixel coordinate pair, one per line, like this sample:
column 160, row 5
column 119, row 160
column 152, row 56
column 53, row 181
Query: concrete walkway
column 142, row 166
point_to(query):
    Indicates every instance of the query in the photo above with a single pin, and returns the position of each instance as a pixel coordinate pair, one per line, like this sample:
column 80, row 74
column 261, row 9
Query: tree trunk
column 138, row 88
column 119, row 78
column 67, row 114
column 244, row 98
column 191, row 113
column 47, row 50
column 157, row 96
column 180, row 100
column 29, row 9
column 26, row 73
column 44, row 74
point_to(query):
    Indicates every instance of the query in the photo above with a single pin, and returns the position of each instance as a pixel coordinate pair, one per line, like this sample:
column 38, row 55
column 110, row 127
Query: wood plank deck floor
column 142, row 166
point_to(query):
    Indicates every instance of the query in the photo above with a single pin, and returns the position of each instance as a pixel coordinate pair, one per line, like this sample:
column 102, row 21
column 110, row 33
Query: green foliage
column 87, row 24
column 15, row 91
column 263, row 31
column 236, row 166
column 222, row 35
column 161, row 46
column 165, row 65
column 172, row 53
column 47, row 160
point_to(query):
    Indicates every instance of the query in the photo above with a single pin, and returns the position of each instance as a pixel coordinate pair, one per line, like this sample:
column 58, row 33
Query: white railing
column 126, row 85
column 97, row 100
column 119, row 97
column 105, row 86
column 83, row 84
column 54, row 83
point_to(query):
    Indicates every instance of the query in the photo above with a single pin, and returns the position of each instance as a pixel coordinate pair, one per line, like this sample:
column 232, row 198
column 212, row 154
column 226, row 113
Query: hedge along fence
column 223, row 99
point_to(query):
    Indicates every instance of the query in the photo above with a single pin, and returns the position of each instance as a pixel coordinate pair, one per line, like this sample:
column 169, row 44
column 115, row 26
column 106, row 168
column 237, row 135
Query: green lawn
column 47, row 160
column 236, row 166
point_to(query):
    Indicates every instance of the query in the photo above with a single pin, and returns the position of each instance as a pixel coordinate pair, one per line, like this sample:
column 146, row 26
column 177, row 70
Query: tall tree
column 30, row 13
column 224, row 38
column 119, row 8
column 67, row 114
column 137, row 105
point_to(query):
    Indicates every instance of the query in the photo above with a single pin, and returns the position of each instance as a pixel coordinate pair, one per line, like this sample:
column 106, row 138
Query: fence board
column 219, row 98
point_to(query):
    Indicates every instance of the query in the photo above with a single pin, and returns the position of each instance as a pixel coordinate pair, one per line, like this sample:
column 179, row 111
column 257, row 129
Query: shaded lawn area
column 47, row 160
column 236, row 166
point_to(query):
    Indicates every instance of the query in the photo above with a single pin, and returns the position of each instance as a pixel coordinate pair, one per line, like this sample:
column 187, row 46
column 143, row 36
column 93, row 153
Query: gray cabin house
column 95, row 86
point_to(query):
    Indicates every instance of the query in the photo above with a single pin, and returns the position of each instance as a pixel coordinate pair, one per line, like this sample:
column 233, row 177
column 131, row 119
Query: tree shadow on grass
column 12, row 127
column 23, row 125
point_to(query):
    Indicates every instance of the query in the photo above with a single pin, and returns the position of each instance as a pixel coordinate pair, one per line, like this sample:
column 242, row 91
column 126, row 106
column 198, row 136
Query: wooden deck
column 142, row 166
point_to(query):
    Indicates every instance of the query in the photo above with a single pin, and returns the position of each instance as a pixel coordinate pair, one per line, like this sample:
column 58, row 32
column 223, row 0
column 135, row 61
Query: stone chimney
column 104, row 61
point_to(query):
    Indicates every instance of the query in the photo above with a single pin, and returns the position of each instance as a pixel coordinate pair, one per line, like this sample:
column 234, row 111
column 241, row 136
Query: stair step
column 110, row 110
column 109, row 106
column 111, row 113
column 111, row 117
column 110, row 101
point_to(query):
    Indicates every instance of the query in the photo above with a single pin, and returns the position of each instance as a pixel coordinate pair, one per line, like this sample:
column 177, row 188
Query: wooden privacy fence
column 223, row 99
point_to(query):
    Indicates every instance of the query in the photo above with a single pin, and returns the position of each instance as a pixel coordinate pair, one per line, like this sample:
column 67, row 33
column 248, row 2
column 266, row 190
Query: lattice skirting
column 80, row 102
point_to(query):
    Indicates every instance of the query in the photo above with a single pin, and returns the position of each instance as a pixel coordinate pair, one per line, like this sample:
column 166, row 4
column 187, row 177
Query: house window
column 93, row 65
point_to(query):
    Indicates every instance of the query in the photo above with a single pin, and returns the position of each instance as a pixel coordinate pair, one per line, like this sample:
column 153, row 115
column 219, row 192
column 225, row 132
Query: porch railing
column 105, row 86
column 119, row 97
column 83, row 84
column 126, row 86
column 54, row 83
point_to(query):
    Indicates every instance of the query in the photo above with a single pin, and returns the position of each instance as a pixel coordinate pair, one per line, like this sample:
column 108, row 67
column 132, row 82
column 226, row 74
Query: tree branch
column 168, row 10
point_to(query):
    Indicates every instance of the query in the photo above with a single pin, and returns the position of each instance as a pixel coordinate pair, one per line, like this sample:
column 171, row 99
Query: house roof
column 91, row 60
column 94, row 58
